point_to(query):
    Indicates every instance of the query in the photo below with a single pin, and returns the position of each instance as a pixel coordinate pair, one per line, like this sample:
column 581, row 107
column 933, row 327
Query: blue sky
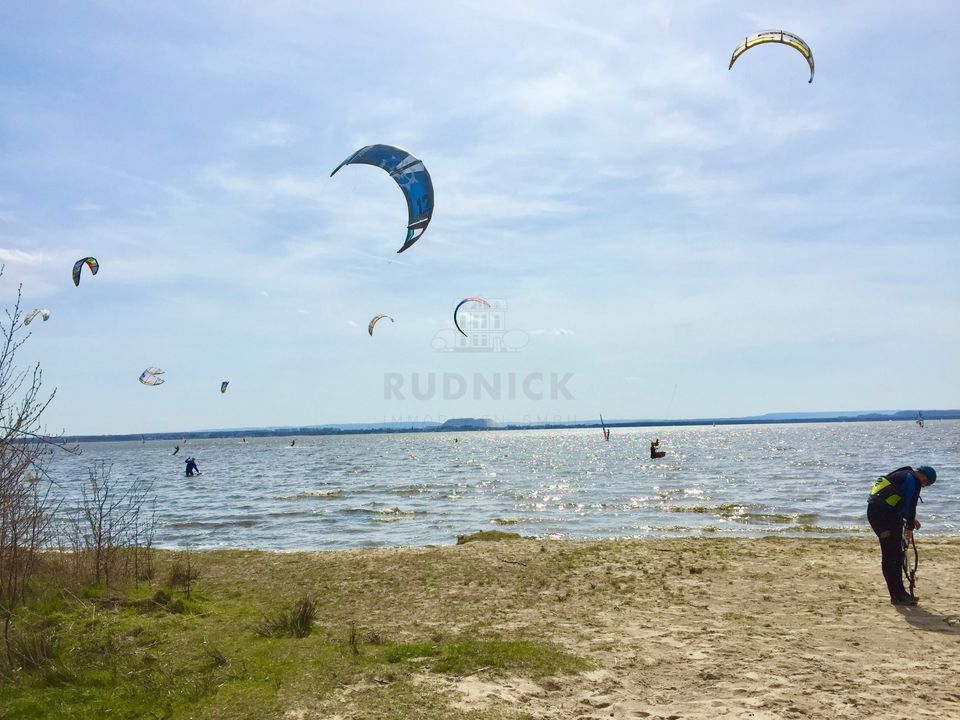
column 676, row 238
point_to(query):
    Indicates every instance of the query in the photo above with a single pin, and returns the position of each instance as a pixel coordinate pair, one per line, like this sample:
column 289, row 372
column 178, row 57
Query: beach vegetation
column 248, row 643
column 487, row 535
column 184, row 572
column 296, row 621
column 465, row 657
column 531, row 659
column 109, row 535
column 27, row 507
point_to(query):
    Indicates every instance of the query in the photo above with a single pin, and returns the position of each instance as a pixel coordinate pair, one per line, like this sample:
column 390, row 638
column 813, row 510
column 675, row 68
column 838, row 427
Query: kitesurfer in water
column 892, row 513
column 176, row 449
column 654, row 453
column 192, row 468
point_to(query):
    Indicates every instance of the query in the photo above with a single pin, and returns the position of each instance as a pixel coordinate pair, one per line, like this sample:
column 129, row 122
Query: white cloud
column 268, row 133
column 14, row 256
column 597, row 167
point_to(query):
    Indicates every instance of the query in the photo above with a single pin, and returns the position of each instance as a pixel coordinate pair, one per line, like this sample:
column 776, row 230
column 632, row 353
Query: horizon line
column 481, row 424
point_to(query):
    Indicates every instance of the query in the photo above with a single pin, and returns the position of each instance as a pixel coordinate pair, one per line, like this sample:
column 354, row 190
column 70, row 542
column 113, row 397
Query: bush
column 296, row 622
column 32, row 649
column 183, row 573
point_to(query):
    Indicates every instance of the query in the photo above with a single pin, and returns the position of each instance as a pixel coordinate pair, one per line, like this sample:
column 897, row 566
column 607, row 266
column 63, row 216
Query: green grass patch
column 412, row 651
column 152, row 651
column 487, row 535
column 464, row 657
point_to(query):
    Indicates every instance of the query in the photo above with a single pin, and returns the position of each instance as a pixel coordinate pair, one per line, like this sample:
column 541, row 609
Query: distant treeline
column 482, row 424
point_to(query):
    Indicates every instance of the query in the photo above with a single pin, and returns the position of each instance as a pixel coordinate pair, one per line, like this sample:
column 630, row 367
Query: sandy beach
column 690, row 628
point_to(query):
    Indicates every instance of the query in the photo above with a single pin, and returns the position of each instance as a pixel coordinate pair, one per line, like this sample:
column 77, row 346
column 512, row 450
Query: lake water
column 331, row 492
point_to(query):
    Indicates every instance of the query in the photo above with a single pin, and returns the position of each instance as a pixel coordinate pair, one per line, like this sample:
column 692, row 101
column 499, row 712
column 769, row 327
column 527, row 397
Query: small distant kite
column 151, row 376
column 412, row 177
column 90, row 262
column 223, row 386
column 776, row 36
column 375, row 320
column 463, row 302
column 42, row 312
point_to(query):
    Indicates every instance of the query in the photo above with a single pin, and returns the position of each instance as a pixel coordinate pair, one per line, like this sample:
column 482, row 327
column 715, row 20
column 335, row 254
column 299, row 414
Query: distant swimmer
column 192, row 468
column 176, row 450
column 654, row 453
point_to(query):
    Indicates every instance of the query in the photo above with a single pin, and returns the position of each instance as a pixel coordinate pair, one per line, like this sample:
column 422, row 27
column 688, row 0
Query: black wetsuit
column 891, row 508
column 192, row 468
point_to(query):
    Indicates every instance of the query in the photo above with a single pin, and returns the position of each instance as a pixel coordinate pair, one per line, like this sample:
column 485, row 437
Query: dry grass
column 695, row 628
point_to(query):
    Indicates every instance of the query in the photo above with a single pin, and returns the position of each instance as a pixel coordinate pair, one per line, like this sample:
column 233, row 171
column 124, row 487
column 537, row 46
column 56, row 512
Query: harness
column 885, row 491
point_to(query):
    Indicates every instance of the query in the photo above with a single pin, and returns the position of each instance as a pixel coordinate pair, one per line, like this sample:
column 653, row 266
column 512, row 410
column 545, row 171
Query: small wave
column 333, row 492
column 507, row 521
column 211, row 525
column 829, row 530
column 313, row 493
column 730, row 510
column 407, row 490
column 391, row 512
column 741, row 513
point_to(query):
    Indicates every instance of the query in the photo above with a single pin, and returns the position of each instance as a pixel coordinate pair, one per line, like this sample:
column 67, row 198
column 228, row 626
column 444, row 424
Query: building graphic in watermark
column 485, row 331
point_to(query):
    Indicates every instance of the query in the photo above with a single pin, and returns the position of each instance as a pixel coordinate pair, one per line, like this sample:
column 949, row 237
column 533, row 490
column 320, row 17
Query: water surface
column 330, row 492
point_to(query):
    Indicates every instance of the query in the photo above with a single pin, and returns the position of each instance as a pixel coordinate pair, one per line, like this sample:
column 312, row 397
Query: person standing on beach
column 892, row 513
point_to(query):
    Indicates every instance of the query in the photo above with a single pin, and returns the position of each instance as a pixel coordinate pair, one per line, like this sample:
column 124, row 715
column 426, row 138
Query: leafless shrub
column 353, row 638
column 109, row 534
column 183, row 572
column 32, row 649
column 26, row 504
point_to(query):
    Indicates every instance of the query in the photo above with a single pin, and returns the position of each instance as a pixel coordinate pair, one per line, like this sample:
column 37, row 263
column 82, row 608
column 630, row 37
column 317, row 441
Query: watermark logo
column 486, row 331
column 478, row 386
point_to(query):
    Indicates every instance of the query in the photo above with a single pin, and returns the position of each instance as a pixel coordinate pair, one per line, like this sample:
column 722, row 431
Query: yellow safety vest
column 885, row 490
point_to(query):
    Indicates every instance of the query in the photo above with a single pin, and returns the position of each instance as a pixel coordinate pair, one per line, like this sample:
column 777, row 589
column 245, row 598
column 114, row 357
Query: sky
column 660, row 236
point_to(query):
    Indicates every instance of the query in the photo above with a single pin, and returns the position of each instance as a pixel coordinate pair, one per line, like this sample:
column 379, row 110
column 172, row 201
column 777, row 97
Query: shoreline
column 814, row 534
column 522, row 629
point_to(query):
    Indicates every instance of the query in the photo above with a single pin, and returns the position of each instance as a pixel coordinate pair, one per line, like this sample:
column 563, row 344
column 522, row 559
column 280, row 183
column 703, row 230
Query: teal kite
column 412, row 177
